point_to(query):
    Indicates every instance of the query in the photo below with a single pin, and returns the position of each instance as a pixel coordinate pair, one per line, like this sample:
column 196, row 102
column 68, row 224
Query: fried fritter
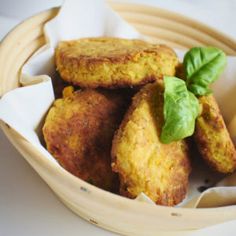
column 144, row 163
column 113, row 62
column 78, row 132
column 212, row 137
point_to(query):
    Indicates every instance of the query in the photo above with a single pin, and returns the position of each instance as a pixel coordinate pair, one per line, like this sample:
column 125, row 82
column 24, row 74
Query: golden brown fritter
column 78, row 132
column 113, row 62
column 144, row 163
column 212, row 137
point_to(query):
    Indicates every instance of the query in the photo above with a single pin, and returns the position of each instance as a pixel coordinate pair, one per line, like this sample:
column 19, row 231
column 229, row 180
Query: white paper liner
column 24, row 108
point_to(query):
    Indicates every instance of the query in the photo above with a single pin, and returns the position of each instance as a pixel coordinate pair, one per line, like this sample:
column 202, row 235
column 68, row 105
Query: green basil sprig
column 202, row 67
column 181, row 108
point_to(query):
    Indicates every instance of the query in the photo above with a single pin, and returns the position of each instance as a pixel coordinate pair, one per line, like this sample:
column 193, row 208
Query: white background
column 27, row 205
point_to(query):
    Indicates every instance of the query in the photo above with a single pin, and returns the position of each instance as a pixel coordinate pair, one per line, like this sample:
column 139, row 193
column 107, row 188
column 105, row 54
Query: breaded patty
column 212, row 137
column 113, row 62
column 78, row 132
column 144, row 163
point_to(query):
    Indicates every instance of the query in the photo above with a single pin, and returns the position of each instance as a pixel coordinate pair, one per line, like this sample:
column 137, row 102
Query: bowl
column 102, row 208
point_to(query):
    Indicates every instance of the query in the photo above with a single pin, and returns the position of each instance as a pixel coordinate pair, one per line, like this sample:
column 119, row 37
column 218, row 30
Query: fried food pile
column 106, row 129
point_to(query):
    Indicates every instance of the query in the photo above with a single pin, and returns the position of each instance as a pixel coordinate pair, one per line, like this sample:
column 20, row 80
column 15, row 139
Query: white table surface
column 27, row 205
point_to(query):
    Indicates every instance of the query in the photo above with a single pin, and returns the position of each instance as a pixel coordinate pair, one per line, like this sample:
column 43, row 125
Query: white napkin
column 24, row 108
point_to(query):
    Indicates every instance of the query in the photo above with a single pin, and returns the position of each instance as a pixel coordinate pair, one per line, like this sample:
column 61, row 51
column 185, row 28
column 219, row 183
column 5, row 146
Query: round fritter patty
column 212, row 137
column 113, row 62
column 78, row 132
column 144, row 163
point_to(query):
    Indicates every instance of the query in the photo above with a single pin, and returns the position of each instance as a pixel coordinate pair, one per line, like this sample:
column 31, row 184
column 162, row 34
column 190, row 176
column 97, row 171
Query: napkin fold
column 24, row 109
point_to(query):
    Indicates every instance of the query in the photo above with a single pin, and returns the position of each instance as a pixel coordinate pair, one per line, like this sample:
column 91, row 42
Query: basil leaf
column 180, row 110
column 202, row 67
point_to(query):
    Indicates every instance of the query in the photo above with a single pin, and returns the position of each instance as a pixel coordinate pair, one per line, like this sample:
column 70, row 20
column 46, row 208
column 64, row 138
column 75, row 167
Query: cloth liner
column 24, row 108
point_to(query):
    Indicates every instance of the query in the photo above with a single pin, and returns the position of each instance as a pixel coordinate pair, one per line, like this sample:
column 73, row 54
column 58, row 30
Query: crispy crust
column 78, row 132
column 145, row 164
column 113, row 62
column 212, row 137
